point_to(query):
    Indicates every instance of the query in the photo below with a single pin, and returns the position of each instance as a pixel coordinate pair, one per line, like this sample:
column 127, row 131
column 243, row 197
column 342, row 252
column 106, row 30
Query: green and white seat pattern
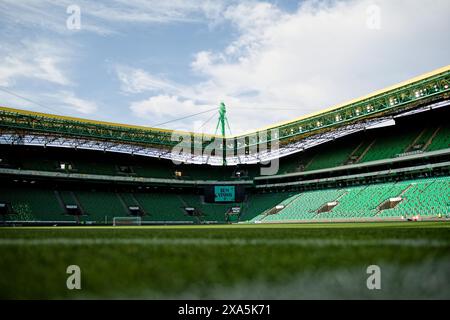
column 425, row 197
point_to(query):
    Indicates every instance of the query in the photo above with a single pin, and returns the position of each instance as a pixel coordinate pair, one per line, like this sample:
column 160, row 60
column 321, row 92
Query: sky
column 152, row 62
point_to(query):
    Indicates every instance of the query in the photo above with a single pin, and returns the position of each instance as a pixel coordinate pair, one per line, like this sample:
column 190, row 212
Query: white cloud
column 137, row 80
column 33, row 60
column 252, row 20
column 72, row 102
column 203, row 61
column 318, row 55
column 103, row 18
column 161, row 108
column 321, row 54
column 35, row 74
column 46, row 14
column 158, row 106
column 60, row 102
column 138, row 11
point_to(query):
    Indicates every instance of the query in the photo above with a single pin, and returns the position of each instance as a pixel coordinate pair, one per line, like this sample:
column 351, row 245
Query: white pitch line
column 311, row 242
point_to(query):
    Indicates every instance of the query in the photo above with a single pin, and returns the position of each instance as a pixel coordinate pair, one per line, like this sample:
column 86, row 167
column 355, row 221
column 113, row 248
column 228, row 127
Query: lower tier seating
column 427, row 197
column 424, row 197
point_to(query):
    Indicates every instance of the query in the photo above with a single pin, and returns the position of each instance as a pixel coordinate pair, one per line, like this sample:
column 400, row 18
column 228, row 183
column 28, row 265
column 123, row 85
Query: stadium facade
column 385, row 156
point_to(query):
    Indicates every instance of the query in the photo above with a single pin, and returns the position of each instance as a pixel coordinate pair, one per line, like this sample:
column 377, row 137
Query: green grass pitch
column 230, row 262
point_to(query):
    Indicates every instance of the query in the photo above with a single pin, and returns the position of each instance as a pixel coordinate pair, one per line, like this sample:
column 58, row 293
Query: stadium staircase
column 360, row 152
column 441, row 140
column 305, row 205
column 197, row 218
column 283, row 205
column 427, row 144
column 421, row 140
column 259, row 204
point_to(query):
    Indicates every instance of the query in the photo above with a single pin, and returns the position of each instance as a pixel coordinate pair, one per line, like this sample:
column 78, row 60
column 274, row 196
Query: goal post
column 127, row 221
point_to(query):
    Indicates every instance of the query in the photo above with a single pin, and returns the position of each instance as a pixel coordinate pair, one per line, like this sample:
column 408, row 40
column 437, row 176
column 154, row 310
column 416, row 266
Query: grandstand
column 425, row 197
column 385, row 156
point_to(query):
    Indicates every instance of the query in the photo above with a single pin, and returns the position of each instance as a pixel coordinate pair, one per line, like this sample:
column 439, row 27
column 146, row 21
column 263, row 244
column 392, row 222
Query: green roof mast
column 221, row 122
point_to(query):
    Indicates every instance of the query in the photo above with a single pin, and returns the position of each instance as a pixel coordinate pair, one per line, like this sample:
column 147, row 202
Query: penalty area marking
column 223, row 242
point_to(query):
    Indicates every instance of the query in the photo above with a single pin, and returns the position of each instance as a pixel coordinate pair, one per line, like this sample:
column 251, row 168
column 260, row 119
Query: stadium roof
column 88, row 121
column 366, row 97
column 293, row 135
column 323, row 112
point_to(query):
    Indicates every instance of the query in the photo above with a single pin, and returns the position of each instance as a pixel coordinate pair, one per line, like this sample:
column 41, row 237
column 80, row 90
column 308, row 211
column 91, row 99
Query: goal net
column 126, row 221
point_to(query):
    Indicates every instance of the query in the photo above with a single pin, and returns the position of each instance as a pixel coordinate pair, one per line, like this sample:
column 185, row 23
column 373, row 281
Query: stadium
column 379, row 159
column 383, row 157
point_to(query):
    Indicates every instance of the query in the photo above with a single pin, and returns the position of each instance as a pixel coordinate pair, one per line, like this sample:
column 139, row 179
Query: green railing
column 404, row 98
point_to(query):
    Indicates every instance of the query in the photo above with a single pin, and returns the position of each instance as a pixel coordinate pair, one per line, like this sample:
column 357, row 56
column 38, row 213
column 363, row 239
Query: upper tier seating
column 387, row 147
column 407, row 136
